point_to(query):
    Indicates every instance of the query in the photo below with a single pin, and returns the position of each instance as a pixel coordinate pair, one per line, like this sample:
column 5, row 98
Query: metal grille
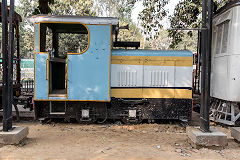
column 127, row 78
column 159, row 78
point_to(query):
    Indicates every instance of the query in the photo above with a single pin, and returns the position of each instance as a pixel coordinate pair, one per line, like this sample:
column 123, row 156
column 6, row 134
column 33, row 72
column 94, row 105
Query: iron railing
column 27, row 86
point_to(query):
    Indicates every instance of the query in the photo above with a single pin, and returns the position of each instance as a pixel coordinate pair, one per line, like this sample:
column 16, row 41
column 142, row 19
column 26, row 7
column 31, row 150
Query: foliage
column 72, row 7
column 149, row 19
column 112, row 8
column 151, row 16
column 133, row 34
column 123, row 10
column 189, row 43
column 187, row 14
column 160, row 43
column 59, row 7
column 68, row 43
column 25, row 9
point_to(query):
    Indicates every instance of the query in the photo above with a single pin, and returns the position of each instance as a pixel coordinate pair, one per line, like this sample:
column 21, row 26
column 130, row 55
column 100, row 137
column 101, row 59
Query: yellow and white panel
column 137, row 77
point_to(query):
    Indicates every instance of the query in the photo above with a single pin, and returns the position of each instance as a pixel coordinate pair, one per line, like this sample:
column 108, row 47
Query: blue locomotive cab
column 77, row 69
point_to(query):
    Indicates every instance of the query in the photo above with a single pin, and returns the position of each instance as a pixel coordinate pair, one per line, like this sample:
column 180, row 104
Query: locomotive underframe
column 127, row 110
column 225, row 112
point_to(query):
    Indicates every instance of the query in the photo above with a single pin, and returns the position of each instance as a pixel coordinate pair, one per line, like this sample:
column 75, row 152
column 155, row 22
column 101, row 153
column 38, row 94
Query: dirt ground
column 112, row 142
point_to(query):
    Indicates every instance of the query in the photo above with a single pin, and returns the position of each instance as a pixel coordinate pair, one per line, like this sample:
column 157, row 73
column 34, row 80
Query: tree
column 25, row 9
column 187, row 14
column 72, row 7
column 59, row 7
column 121, row 9
column 162, row 42
column 189, row 43
column 151, row 16
column 133, row 34
column 112, row 8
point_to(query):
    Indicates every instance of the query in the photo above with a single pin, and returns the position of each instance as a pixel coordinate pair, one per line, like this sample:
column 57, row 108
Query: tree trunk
column 43, row 6
column 44, row 9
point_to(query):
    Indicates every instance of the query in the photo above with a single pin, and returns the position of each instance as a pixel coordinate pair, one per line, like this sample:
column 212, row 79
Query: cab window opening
column 62, row 38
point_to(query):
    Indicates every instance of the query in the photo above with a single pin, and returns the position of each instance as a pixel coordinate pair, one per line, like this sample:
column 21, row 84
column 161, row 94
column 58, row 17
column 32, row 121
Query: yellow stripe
column 127, row 93
column 184, row 63
column 183, row 93
column 158, row 93
column 151, row 93
column 127, row 62
column 152, row 60
column 156, row 58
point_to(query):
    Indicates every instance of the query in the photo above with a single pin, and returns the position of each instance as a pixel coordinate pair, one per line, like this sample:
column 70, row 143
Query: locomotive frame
column 104, row 83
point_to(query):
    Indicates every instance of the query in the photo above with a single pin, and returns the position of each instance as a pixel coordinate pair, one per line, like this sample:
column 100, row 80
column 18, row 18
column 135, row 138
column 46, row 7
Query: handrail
column 46, row 69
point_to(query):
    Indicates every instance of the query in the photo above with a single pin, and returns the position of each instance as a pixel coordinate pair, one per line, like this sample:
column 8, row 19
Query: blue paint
column 41, row 84
column 88, row 73
column 57, row 98
column 37, row 27
column 171, row 53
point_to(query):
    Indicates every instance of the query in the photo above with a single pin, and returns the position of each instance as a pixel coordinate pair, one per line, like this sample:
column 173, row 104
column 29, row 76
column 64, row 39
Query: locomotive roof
column 140, row 52
column 67, row 18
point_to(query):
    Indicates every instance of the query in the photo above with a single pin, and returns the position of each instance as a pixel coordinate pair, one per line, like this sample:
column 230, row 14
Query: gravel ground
column 113, row 142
